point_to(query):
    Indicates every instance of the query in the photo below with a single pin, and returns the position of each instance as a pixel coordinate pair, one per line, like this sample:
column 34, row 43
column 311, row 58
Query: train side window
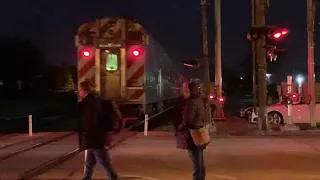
column 112, row 62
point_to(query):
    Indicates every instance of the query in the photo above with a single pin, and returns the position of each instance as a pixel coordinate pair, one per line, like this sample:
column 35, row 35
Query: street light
column 299, row 80
column 268, row 75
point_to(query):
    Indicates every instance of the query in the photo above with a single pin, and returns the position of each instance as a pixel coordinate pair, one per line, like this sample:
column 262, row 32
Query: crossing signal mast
column 272, row 34
column 263, row 40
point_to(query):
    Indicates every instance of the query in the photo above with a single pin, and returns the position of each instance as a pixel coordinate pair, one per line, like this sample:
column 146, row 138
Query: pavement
column 155, row 158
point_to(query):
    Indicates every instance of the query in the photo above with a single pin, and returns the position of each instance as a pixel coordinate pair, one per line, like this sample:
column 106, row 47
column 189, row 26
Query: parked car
column 277, row 113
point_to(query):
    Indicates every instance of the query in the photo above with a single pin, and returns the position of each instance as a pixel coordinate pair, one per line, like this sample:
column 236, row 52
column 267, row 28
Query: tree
column 68, row 84
column 20, row 60
column 64, row 80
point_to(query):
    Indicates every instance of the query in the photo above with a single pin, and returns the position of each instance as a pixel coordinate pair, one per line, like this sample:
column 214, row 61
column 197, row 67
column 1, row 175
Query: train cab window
column 112, row 62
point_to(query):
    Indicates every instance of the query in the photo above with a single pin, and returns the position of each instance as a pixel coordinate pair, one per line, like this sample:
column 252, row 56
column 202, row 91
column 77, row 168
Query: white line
column 223, row 176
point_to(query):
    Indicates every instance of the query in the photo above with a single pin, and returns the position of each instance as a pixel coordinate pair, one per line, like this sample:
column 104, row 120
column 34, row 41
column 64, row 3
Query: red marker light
column 136, row 53
column 221, row 99
column 86, row 52
column 211, row 97
column 294, row 96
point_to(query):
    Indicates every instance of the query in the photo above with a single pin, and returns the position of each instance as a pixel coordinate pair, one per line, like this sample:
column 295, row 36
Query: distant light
column 241, row 78
column 211, row 97
column 268, row 75
column 221, row 99
column 294, row 96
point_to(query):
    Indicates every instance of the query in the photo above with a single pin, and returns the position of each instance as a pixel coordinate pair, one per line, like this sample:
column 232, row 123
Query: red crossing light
column 192, row 63
column 280, row 33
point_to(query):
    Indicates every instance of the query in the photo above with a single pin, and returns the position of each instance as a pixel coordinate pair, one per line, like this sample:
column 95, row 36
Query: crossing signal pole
column 260, row 7
column 254, row 57
column 219, row 114
column 311, row 8
column 205, row 41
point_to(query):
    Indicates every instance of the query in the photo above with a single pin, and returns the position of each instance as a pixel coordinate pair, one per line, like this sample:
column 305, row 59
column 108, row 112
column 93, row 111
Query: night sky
column 176, row 24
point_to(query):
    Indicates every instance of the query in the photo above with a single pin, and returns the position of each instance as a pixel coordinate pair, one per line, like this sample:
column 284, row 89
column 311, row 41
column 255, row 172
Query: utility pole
column 311, row 8
column 260, row 10
column 205, row 41
column 254, row 56
column 218, row 68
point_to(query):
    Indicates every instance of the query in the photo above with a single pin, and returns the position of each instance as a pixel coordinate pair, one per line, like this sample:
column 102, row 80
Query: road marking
column 223, row 176
column 134, row 177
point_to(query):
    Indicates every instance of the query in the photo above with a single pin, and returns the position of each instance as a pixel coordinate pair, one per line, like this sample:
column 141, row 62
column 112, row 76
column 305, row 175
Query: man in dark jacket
column 191, row 115
column 92, row 132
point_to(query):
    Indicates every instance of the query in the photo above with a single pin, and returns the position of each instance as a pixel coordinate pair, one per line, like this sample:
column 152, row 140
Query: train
column 128, row 66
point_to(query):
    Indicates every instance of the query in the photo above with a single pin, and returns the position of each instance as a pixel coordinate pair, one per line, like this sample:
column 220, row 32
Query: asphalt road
column 155, row 157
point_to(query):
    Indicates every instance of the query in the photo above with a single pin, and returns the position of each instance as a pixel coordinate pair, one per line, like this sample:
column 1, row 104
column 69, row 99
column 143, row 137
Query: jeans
column 196, row 156
column 102, row 156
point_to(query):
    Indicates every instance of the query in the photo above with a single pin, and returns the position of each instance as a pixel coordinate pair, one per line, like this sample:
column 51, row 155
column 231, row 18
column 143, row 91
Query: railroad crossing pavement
column 8, row 139
column 232, row 158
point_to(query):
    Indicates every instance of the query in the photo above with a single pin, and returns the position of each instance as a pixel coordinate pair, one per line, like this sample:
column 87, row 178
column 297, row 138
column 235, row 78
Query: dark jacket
column 183, row 136
column 190, row 114
column 195, row 112
column 92, row 132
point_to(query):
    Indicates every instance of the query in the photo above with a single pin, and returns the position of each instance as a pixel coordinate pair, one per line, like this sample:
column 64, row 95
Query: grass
column 63, row 124
column 14, row 111
column 38, row 105
column 11, row 109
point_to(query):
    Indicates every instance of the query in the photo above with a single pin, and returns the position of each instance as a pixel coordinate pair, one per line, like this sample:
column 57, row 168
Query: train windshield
column 112, row 62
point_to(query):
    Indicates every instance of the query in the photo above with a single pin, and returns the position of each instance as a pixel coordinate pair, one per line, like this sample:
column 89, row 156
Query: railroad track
column 50, row 164
column 27, row 147
column 8, row 136
column 24, row 141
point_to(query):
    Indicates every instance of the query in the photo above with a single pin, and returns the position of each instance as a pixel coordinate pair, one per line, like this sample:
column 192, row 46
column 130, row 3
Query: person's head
column 85, row 88
column 194, row 88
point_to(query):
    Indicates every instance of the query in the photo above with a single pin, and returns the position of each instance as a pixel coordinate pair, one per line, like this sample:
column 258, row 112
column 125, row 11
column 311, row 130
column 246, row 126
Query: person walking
column 190, row 114
column 92, row 131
